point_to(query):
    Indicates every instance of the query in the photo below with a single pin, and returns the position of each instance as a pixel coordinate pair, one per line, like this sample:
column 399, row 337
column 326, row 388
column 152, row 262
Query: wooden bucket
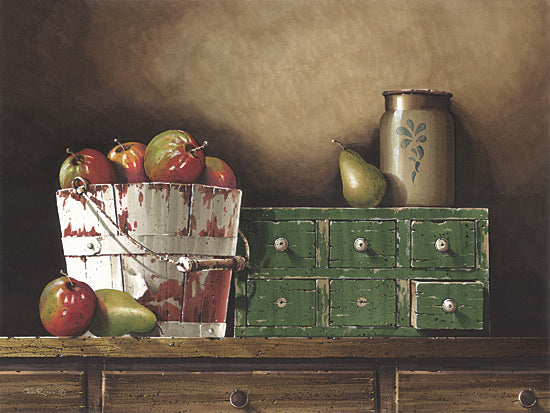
column 137, row 238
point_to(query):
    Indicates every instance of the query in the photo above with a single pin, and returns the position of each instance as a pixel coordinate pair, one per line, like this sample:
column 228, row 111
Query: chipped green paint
column 380, row 236
column 403, row 243
column 461, row 237
column 362, row 302
column 329, row 289
column 323, row 300
column 482, row 231
column 411, row 213
column 281, row 302
column 403, row 298
column 323, row 243
column 371, row 273
column 428, row 298
column 301, row 238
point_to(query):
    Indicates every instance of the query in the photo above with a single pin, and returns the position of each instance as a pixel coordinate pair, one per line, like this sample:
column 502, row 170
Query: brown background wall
column 269, row 84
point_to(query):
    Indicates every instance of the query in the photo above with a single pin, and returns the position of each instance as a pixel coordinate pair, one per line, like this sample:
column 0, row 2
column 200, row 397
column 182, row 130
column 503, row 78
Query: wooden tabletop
column 265, row 348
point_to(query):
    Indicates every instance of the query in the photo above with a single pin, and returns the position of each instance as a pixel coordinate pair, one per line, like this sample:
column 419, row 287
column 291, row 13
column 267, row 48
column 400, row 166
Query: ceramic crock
column 417, row 148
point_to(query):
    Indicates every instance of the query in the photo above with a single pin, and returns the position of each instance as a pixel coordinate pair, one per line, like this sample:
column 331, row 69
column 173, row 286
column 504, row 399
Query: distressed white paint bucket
column 105, row 229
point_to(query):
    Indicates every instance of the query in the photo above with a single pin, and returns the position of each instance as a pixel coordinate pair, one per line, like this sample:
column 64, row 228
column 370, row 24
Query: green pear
column 363, row 184
column 118, row 313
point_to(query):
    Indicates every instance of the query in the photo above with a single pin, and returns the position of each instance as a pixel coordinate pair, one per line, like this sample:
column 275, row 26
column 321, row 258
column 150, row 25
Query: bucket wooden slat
column 178, row 213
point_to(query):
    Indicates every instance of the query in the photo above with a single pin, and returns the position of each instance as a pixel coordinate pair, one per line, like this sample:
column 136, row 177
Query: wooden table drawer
column 362, row 303
column 362, row 244
column 471, row 391
column 261, row 391
column 447, row 305
column 443, row 244
column 281, row 302
column 299, row 250
column 42, row 390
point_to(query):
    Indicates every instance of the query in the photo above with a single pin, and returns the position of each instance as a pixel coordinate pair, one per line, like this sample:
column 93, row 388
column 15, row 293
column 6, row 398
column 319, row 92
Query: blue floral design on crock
column 411, row 136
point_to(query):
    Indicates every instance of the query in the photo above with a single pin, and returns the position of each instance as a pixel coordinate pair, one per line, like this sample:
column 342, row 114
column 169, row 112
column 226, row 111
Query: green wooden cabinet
column 364, row 272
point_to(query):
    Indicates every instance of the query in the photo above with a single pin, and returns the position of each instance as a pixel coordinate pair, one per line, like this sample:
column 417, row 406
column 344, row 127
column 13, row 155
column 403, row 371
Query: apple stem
column 121, row 145
column 339, row 143
column 199, row 148
column 66, row 275
column 68, row 150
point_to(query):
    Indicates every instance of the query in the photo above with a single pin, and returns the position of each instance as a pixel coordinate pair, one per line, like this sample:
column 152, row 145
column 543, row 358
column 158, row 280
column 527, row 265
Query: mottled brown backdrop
column 269, row 83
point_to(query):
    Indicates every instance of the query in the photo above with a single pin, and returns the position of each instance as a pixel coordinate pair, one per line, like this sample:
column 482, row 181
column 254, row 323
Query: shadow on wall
column 518, row 238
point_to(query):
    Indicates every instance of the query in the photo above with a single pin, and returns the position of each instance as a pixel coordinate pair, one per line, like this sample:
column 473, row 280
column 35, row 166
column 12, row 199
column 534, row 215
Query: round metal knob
column 281, row 244
column 281, row 302
column 442, row 245
column 360, row 245
column 449, row 305
column 361, row 302
column 238, row 399
column 527, row 398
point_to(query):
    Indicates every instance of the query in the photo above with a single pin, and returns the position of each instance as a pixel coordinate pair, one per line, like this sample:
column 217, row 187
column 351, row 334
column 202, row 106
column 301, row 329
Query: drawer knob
column 449, row 305
column 360, row 245
column 527, row 398
column 281, row 244
column 238, row 399
column 361, row 302
column 442, row 245
column 281, row 302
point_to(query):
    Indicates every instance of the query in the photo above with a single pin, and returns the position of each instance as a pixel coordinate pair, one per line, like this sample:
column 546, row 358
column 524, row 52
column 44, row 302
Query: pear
column 363, row 184
column 118, row 313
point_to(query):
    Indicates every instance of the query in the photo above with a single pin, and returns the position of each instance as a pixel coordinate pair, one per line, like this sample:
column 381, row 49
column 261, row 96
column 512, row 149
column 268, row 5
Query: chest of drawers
column 364, row 272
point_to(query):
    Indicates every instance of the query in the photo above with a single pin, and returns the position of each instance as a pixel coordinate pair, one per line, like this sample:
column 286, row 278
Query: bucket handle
column 184, row 264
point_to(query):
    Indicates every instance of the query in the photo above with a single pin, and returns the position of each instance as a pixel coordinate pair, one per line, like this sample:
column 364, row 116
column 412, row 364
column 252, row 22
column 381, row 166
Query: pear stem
column 339, row 143
column 199, row 148
column 66, row 275
column 118, row 142
column 68, row 150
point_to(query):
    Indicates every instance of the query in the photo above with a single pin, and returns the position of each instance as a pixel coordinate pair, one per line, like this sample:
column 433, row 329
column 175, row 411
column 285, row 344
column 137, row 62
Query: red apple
column 174, row 156
column 127, row 159
column 88, row 164
column 67, row 307
column 217, row 172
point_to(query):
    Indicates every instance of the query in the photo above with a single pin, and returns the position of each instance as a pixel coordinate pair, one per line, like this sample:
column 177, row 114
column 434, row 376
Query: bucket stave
column 172, row 220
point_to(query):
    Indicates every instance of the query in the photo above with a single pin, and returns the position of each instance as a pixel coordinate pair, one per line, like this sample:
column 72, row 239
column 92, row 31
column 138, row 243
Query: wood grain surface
column 266, row 391
column 470, row 391
column 269, row 348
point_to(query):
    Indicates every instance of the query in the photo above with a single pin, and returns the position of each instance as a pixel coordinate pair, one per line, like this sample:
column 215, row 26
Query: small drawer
column 282, row 244
column 443, row 244
column 453, row 391
column 447, row 305
column 251, row 391
column 42, row 390
column 281, row 302
column 362, row 244
column 362, row 303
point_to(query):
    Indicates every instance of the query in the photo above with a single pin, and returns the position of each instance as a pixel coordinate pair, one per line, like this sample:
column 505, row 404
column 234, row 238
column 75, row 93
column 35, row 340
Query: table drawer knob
column 238, row 399
column 281, row 244
column 449, row 305
column 527, row 398
column 360, row 245
column 442, row 244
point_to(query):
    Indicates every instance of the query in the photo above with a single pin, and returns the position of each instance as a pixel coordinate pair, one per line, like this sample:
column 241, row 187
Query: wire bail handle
column 183, row 264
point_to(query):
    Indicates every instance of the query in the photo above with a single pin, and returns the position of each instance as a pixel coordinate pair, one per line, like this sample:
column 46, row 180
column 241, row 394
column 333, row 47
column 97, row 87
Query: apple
column 174, row 156
column 67, row 307
column 127, row 159
column 88, row 164
column 217, row 172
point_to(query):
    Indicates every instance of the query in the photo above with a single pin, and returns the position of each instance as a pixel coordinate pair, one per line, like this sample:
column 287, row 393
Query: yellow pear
column 118, row 313
column 363, row 184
